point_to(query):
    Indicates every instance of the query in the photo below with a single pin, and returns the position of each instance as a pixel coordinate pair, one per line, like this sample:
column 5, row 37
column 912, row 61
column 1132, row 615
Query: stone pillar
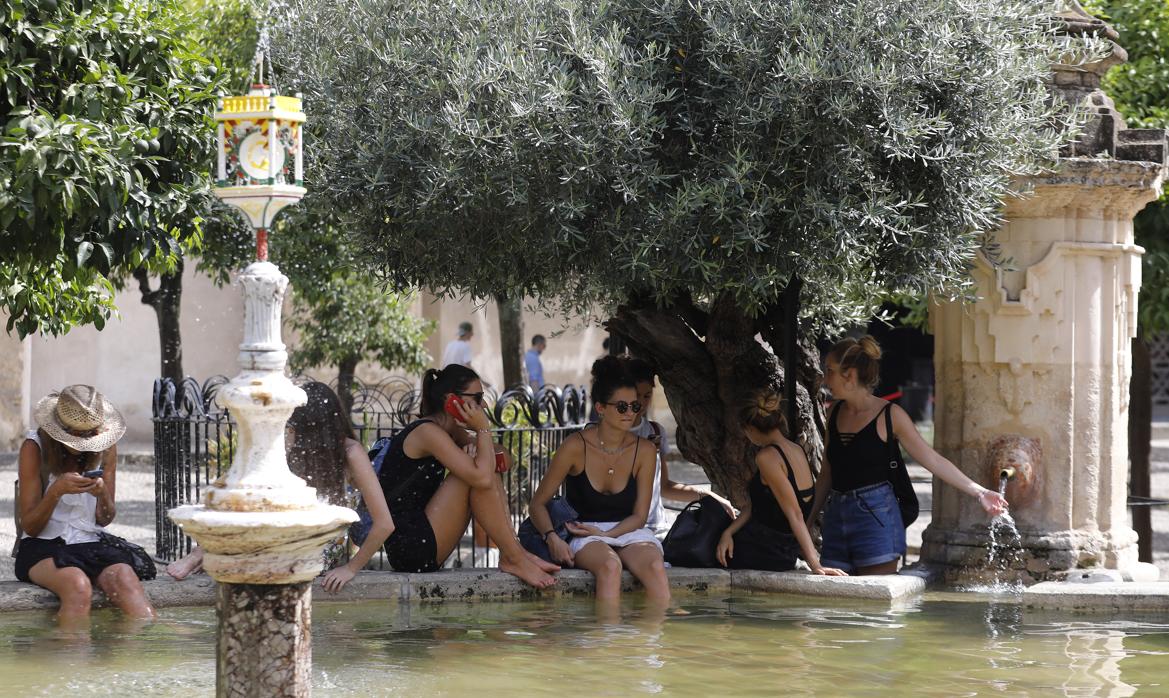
column 280, row 666
column 262, row 527
column 1035, row 373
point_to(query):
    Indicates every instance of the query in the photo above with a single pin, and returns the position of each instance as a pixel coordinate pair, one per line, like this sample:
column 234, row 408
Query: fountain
column 1034, row 375
column 261, row 526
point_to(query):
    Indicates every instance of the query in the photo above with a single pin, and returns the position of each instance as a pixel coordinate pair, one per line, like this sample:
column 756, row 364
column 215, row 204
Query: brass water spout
column 1007, row 473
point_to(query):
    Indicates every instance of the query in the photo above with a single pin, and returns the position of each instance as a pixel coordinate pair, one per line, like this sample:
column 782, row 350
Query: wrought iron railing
column 194, row 441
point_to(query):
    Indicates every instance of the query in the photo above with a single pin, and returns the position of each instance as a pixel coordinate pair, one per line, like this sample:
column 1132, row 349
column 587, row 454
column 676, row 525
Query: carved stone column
column 261, row 526
column 1037, row 370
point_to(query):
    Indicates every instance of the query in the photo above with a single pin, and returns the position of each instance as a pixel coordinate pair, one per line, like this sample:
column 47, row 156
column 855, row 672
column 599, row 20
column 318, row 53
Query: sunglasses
column 622, row 407
column 477, row 397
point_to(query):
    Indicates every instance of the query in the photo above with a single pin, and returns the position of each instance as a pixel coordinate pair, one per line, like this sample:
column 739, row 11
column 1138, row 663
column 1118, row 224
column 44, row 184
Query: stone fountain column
column 1035, row 374
column 262, row 527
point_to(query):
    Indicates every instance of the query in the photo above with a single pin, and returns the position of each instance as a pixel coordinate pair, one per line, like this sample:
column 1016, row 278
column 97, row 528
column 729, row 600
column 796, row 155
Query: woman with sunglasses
column 439, row 472
column 611, row 532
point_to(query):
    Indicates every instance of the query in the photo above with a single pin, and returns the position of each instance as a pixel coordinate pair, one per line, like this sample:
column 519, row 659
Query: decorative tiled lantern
column 260, row 167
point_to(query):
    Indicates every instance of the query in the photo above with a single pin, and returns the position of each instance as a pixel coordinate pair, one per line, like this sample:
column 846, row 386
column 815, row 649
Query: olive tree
column 673, row 165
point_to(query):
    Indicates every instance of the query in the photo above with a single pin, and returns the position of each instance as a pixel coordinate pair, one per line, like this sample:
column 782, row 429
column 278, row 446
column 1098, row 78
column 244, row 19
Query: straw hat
column 81, row 418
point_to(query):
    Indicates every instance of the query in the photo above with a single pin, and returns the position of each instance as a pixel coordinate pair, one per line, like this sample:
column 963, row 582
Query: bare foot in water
column 192, row 563
column 527, row 571
column 549, row 567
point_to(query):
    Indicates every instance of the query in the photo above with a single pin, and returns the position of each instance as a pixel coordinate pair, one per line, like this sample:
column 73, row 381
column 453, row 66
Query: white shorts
column 641, row 535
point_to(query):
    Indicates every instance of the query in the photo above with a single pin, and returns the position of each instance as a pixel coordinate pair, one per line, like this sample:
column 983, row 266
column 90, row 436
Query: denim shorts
column 862, row 528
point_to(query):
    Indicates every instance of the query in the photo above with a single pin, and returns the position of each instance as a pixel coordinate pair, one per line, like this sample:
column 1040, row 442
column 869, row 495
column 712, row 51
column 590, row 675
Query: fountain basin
column 263, row 547
column 726, row 645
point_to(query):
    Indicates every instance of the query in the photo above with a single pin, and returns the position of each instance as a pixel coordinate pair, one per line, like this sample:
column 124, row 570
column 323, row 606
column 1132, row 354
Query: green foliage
column 592, row 152
column 105, row 106
column 1140, row 89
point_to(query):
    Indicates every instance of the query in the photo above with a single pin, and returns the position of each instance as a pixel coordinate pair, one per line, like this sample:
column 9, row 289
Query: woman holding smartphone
column 67, row 480
column 439, row 472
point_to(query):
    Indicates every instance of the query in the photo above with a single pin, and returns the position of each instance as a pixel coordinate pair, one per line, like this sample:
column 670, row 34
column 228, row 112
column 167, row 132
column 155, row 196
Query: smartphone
column 93, row 474
column 453, row 402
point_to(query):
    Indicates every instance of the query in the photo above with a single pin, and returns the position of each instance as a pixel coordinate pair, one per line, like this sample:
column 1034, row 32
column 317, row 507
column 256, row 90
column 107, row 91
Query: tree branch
column 149, row 296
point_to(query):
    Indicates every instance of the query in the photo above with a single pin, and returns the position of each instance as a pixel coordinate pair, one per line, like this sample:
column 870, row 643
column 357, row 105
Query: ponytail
column 436, row 385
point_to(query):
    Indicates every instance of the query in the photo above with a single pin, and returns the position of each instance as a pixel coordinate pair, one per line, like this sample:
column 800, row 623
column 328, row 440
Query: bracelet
column 550, row 532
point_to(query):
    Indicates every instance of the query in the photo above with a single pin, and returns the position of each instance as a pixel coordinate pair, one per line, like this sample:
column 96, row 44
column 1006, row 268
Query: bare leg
column 122, row 587
column 603, row 562
column 70, row 585
column 645, row 561
column 188, row 565
column 883, row 568
column 450, row 509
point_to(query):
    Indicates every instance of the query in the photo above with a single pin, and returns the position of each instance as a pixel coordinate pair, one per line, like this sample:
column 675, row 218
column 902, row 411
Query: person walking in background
column 458, row 351
column 532, row 364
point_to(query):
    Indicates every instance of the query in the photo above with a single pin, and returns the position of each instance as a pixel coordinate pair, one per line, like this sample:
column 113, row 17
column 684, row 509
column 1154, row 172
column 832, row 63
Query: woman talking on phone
column 440, row 472
column 67, row 477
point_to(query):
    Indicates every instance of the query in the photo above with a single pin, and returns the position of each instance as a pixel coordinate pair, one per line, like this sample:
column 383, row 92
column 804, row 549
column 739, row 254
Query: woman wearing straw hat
column 67, row 469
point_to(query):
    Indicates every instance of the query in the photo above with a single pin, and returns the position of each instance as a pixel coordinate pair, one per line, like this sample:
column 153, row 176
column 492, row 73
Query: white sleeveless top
column 74, row 519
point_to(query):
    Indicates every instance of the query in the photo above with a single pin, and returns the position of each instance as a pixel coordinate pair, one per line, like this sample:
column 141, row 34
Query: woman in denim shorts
column 862, row 529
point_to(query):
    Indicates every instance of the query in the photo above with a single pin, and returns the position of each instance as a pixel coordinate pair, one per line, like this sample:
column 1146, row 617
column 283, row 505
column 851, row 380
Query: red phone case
column 450, row 408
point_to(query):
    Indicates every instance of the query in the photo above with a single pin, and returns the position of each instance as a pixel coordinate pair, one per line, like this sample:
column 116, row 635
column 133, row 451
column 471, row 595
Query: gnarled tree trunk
column 708, row 363
column 166, row 301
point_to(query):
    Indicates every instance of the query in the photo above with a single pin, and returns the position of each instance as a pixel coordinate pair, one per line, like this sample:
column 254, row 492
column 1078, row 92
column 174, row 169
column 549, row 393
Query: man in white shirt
column 458, row 351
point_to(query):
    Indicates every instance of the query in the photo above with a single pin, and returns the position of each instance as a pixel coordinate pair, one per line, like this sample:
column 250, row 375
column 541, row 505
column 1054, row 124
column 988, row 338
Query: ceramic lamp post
column 262, row 527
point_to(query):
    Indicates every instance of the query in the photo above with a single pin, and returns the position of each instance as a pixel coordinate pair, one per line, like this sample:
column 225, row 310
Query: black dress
column 408, row 485
column 766, row 541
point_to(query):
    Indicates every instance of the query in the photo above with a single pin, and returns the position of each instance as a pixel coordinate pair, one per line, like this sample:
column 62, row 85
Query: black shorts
column 760, row 547
column 412, row 546
column 90, row 558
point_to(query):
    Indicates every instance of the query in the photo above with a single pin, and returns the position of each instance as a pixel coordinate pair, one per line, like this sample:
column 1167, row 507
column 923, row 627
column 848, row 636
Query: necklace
column 609, row 451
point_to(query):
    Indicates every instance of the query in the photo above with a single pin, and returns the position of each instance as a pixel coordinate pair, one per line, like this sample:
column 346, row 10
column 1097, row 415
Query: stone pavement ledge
column 889, row 587
column 1105, row 597
column 493, row 585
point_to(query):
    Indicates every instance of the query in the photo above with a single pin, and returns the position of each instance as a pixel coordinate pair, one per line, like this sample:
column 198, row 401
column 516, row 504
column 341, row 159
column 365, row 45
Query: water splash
column 1004, row 554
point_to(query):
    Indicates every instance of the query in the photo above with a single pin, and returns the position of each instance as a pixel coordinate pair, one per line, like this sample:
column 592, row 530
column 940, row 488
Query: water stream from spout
column 1003, row 553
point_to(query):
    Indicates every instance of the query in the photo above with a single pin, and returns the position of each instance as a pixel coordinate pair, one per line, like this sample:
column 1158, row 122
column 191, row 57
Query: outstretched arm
column 906, row 432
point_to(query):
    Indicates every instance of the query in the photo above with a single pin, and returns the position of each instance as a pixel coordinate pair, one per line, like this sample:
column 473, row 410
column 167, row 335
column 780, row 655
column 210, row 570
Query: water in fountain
column 1003, row 553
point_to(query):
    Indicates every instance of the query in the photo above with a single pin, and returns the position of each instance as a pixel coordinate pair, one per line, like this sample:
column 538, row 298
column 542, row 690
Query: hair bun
column 607, row 366
column 870, row 347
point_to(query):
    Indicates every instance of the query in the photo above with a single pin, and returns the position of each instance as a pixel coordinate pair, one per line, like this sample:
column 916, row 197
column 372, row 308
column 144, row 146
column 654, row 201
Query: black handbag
column 899, row 475
column 561, row 512
column 693, row 539
column 140, row 560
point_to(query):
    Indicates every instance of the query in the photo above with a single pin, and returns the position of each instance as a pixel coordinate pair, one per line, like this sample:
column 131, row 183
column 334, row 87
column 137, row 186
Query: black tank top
column 420, row 476
column 765, row 507
column 598, row 507
column 861, row 461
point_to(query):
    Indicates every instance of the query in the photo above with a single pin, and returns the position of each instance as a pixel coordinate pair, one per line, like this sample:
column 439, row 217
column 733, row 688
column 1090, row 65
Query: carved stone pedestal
column 265, row 642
